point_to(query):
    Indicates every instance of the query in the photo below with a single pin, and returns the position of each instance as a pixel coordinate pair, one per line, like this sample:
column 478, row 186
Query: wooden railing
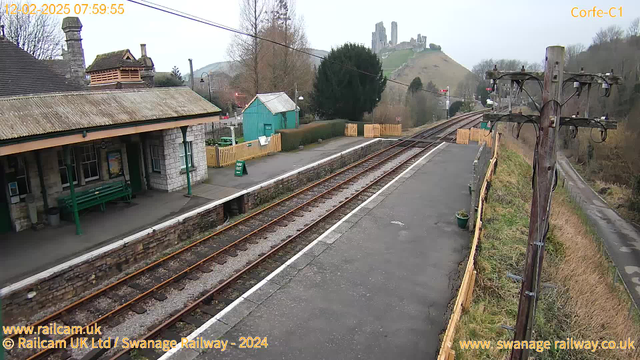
column 224, row 156
column 465, row 293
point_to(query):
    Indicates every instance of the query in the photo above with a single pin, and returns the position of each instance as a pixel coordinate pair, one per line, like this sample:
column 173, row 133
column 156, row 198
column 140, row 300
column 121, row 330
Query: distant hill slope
column 228, row 68
column 429, row 65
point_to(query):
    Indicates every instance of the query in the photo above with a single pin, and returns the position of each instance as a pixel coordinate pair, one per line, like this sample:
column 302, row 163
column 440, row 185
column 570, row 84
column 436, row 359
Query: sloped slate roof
column 21, row 73
column 276, row 102
column 24, row 116
column 113, row 60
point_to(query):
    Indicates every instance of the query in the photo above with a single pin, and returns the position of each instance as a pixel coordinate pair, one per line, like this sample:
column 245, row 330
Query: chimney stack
column 74, row 54
column 149, row 70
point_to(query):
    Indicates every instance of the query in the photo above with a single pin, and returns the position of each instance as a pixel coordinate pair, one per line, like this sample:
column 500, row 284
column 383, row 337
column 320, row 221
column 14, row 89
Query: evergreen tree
column 340, row 91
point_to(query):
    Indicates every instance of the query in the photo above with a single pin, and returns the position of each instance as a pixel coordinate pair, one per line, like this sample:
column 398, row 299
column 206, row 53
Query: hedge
column 310, row 133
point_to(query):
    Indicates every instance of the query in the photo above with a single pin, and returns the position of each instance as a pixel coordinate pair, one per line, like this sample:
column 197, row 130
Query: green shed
column 266, row 114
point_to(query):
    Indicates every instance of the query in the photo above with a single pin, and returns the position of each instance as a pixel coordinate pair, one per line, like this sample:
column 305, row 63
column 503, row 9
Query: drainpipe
column 74, row 207
column 41, row 177
column 186, row 157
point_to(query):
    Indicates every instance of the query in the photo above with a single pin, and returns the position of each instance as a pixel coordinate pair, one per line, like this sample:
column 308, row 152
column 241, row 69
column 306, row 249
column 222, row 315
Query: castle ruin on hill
column 379, row 41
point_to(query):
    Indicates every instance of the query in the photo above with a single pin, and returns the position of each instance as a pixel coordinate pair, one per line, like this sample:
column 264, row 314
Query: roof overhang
column 79, row 136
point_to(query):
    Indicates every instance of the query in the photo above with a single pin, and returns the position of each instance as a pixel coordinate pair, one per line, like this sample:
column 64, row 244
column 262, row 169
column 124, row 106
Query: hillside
column 429, row 65
column 228, row 68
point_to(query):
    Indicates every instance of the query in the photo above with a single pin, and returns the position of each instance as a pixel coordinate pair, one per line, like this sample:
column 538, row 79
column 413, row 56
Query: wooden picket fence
column 371, row 130
column 351, row 130
column 462, row 136
column 481, row 136
column 224, row 156
column 391, row 129
column 465, row 293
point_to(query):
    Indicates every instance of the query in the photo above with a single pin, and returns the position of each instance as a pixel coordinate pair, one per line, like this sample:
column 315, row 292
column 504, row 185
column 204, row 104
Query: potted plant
column 463, row 219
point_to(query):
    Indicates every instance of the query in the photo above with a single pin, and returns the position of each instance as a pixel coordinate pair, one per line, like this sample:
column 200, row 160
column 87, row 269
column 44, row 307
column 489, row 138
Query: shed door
column 268, row 130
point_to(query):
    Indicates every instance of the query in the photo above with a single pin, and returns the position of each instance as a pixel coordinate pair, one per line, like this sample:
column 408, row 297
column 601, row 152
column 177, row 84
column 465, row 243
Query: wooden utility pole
column 544, row 178
column 547, row 125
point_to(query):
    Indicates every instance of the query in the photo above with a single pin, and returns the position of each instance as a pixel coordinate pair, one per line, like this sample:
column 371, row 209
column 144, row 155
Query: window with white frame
column 189, row 155
column 21, row 176
column 89, row 162
column 156, row 158
column 64, row 175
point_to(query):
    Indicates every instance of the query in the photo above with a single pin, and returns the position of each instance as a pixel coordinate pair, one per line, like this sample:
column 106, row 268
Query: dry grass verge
column 583, row 302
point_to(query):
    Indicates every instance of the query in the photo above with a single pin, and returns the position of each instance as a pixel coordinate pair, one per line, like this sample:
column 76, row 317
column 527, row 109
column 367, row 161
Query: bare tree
column 571, row 56
column 246, row 51
column 38, row 34
column 634, row 28
column 285, row 65
column 610, row 34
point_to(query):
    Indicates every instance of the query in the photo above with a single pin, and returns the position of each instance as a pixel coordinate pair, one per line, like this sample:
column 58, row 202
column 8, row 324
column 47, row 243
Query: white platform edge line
column 121, row 243
column 257, row 286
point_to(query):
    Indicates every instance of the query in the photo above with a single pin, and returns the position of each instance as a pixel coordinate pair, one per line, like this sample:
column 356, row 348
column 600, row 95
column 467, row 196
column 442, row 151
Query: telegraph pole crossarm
column 547, row 124
column 519, row 118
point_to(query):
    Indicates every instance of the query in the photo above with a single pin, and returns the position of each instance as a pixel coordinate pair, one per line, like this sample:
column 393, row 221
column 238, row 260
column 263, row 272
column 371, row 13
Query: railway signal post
column 545, row 174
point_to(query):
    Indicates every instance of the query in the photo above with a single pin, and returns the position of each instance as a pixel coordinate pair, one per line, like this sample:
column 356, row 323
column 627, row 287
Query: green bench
column 96, row 196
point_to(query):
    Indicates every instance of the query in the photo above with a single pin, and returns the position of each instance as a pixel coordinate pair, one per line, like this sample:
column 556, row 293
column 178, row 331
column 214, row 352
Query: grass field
column 583, row 302
column 429, row 65
column 394, row 60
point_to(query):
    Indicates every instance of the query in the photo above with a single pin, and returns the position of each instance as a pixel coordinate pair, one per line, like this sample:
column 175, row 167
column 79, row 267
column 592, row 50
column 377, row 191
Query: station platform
column 375, row 286
column 30, row 252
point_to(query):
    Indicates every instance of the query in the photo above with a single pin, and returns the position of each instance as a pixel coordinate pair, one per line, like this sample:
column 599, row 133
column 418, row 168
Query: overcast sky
column 467, row 30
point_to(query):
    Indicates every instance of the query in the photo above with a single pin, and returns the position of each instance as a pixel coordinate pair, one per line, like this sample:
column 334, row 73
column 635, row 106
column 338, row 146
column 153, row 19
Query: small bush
column 310, row 133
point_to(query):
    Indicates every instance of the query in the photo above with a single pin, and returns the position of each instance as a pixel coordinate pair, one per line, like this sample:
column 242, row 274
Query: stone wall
column 75, row 280
column 52, row 181
column 272, row 191
column 172, row 141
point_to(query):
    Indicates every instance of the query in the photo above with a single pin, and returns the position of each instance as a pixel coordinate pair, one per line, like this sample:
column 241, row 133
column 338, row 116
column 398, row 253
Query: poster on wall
column 114, row 160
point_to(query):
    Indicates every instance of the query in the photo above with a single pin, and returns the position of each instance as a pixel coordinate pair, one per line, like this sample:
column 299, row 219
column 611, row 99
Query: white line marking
column 257, row 286
column 122, row 243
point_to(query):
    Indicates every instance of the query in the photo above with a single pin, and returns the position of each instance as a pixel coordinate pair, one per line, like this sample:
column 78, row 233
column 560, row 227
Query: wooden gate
column 351, row 130
column 371, row 130
column 462, row 136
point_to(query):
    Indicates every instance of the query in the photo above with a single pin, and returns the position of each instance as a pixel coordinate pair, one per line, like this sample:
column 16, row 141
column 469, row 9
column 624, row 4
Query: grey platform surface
column 272, row 166
column 28, row 252
column 380, row 291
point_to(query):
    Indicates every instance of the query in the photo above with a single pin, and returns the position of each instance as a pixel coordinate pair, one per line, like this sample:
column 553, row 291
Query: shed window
column 64, row 177
column 189, row 155
column 156, row 158
column 89, row 163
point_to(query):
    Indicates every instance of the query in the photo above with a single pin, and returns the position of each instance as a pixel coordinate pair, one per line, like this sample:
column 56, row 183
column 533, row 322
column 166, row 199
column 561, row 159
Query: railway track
column 265, row 239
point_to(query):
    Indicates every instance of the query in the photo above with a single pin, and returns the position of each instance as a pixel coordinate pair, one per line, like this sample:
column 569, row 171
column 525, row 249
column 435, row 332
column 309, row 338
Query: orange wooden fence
column 224, row 156
column 391, row 129
column 371, row 130
column 465, row 293
column 351, row 130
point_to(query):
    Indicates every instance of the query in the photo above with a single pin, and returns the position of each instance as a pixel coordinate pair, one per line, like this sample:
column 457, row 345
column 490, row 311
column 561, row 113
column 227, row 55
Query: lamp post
column 208, row 82
column 297, row 111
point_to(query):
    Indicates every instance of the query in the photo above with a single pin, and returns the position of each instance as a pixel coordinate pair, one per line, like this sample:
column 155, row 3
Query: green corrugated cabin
column 267, row 113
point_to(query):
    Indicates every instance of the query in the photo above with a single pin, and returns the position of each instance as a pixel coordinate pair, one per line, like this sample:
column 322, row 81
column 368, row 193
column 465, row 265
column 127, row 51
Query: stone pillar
column 74, row 55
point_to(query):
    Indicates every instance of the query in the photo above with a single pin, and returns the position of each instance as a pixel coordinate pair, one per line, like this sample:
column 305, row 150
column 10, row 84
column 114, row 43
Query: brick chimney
column 149, row 70
column 74, row 55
